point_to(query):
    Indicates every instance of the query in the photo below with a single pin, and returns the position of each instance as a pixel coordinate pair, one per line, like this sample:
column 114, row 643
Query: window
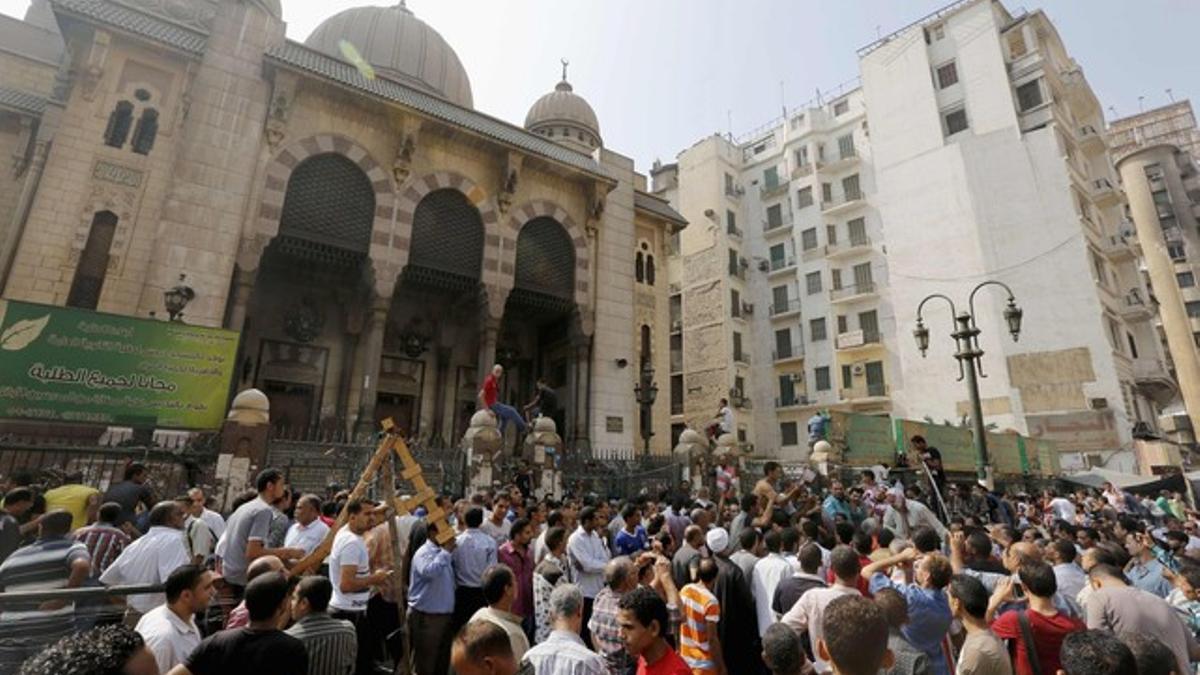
column 850, row 188
column 831, row 234
column 778, row 256
column 734, row 270
column 1029, row 95
column 804, row 197
column 1016, row 43
column 120, row 121
column 146, row 132
column 821, row 377
column 1193, row 309
column 847, row 376
column 939, row 31
column 771, row 178
column 788, row 433
column 729, row 186
column 862, row 278
column 846, row 146
column 835, row 278
column 812, row 282
column 1176, row 251
column 739, row 383
column 731, row 221
column 93, row 262
column 783, row 343
column 842, row 324
column 868, row 323
column 737, row 348
column 802, row 156
column 955, row 121
column 808, row 239
column 735, row 303
column 677, row 394
column 858, row 231
column 774, row 216
column 947, row 75
column 649, row 269
column 779, row 299
column 1114, row 333
column 841, row 107
column 820, row 152
column 639, row 267
column 1133, row 352
column 1098, row 268
column 826, row 193
column 817, row 329
column 1186, row 279
column 787, row 390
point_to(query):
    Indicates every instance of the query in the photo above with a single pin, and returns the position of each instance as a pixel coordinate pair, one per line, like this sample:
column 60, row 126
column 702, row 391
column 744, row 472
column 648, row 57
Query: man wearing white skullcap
column 739, row 623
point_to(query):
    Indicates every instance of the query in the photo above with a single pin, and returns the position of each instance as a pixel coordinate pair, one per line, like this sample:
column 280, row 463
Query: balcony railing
column 857, row 338
column 733, row 232
column 786, row 352
column 782, row 263
column 1148, row 369
column 791, row 305
column 850, row 291
column 877, row 390
column 736, row 270
column 768, row 226
column 853, row 245
column 741, row 357
column 770, row 189
column 846, row 202
column 790, row 401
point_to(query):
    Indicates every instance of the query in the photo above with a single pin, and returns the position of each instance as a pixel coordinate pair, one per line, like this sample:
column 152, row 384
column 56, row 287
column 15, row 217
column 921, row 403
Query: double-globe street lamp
column 646, row 391
column 966, row 342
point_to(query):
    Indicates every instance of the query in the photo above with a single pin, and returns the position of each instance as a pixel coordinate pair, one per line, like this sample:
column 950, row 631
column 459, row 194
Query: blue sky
column 661, row 74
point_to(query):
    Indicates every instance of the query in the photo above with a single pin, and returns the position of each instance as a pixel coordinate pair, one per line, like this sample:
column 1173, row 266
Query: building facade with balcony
column 990, row 164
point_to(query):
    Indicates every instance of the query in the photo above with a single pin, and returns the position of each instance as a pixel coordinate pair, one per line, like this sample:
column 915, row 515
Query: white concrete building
column 991, row 166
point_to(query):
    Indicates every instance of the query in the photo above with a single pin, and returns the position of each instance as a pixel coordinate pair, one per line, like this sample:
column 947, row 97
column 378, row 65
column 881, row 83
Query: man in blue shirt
column 431, row 605
column 836, row 505
column 1144, row 570
column 929, row 614
column 474, row 552
column 631, row 539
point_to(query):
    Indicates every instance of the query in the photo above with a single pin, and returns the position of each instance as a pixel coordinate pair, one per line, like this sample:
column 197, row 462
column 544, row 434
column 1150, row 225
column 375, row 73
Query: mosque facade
column 378, row 242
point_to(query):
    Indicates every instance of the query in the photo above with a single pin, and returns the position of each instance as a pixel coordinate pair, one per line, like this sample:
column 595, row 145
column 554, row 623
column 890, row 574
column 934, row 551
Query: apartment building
column 974, row 150
column 1172, row 124
column 991, row 165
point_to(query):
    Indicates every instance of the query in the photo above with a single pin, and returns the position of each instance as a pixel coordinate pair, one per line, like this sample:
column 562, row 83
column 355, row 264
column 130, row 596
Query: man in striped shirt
column 699, row 644
column 104, row 540
column 53, row 561
column 331, row 643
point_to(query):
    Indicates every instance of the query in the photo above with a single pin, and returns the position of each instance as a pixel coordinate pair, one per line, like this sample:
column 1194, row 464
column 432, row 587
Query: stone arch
column 416, row 190
column 279, row 171
column 548, row 209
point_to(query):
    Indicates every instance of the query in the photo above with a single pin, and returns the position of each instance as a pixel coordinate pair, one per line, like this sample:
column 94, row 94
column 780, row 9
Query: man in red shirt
column 1047, row 625
column 644, row 621
column 489, row 395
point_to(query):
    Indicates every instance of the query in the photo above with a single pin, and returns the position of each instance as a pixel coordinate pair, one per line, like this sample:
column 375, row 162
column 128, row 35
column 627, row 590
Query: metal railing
column 782, row 263
column 786, row 352
column 171, row 471
column 852, row 290
column 786, row 306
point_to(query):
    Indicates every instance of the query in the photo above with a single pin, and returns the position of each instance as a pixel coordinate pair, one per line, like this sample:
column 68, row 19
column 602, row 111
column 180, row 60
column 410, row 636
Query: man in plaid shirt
column 620, row 577
column 103, row 539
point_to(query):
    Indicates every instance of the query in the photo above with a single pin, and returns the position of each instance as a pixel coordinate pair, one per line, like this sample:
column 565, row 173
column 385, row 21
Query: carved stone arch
column 279, row 170
column 544, row 208
column 417, row 188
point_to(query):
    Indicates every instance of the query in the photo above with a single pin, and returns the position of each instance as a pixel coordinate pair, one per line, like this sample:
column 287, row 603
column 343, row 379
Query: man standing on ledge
column 489, row 395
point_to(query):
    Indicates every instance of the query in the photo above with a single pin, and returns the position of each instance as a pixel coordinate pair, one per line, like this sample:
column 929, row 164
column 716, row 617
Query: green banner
column 864, row 439
column 1006, row 455
column 72, row 365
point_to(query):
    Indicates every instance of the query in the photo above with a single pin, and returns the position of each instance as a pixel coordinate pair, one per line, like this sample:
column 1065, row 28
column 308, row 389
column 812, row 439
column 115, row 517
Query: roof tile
column 135, row 22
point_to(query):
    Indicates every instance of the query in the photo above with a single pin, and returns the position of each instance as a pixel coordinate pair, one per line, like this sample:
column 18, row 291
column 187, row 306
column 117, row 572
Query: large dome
column 400, row 46
column 566, row 117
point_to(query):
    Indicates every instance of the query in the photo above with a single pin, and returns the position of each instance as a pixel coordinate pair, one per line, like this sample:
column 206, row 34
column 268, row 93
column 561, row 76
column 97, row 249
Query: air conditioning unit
column 747, row 308
column 734, row 392
column 743, row 263
column 1098, row 403
column 857, row 369
column 764, row 266
column 739, row 190
column 677, row 325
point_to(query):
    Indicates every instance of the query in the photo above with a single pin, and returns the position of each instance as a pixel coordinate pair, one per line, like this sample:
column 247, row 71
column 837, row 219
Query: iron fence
column 315, row 465
column 619, row 475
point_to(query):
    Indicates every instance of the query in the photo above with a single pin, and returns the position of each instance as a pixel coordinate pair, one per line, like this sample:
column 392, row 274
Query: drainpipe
column 33, row 179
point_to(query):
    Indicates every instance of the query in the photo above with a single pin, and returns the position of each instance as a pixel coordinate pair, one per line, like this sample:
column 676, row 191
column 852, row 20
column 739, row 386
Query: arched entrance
column 309, row 296
column 431, row 343
column 540, row 317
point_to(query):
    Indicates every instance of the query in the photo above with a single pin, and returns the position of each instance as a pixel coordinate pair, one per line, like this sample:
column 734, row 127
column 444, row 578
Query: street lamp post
column 646, row 391
column 970, row 357
column 177, row 298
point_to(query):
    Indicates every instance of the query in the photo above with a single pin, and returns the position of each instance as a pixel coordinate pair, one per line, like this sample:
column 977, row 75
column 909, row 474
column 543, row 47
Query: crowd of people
column 796, row 575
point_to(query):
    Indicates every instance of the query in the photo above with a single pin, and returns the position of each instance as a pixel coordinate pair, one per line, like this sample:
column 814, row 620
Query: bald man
column 240, row 616
column 1018, row 553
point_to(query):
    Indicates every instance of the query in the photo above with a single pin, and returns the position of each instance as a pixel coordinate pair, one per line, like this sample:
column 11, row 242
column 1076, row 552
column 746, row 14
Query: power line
column 994, row 272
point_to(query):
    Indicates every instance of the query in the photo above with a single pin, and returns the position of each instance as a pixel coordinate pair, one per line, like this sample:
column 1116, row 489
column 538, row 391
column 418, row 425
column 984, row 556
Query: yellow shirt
column 73, row 499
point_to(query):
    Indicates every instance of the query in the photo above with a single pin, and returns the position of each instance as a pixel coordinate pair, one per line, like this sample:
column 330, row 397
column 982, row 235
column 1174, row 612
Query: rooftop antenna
column 782, row 99
column 819, row 96
column 729, row 124
column 1113, row 109
column 1141, row 104
column 1170, row 95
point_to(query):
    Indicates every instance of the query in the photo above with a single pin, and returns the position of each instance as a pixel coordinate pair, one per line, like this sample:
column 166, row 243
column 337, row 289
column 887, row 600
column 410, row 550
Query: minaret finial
column 565, row 63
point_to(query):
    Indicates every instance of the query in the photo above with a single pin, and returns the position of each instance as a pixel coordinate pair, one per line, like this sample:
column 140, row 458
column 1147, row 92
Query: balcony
column 738, row 271
column 856, row 339
column 782, row 227
column 842, row 162
column 814, row 253
column 1116, row 247
column 793, row 401
column 844, row 249
column 734, row 191
column 1089, row 139
column 1153, row 377
column 864, row 392
column 786, row 354
column 733, row 232
column 771, row 190
column 1105, row 193
column 1134, row 308
column 785, row 309
column 741, row 357
column 854, row 292
column 806, row 169
column 781, row 265
column 846, row 204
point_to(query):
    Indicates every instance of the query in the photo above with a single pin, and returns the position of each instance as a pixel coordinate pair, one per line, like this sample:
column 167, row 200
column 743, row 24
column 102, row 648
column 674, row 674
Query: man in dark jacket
column 739, row 621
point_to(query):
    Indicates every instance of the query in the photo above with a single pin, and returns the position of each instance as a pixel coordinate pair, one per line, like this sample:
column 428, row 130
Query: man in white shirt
column 1062, row 508
column 211, row 518
column 808, row 614
column 588, row 556
column 170, row 630
column 495, row 523
column 309, row 530
column 564, row 653
column 350, row 572
column 903, row 516
column 725, row 417
column 768, row 572
column 150, row 559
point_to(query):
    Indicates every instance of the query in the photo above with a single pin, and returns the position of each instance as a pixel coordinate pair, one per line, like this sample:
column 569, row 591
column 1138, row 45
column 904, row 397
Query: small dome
column 400, row 46
column 565, row 117
column 250, row 407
